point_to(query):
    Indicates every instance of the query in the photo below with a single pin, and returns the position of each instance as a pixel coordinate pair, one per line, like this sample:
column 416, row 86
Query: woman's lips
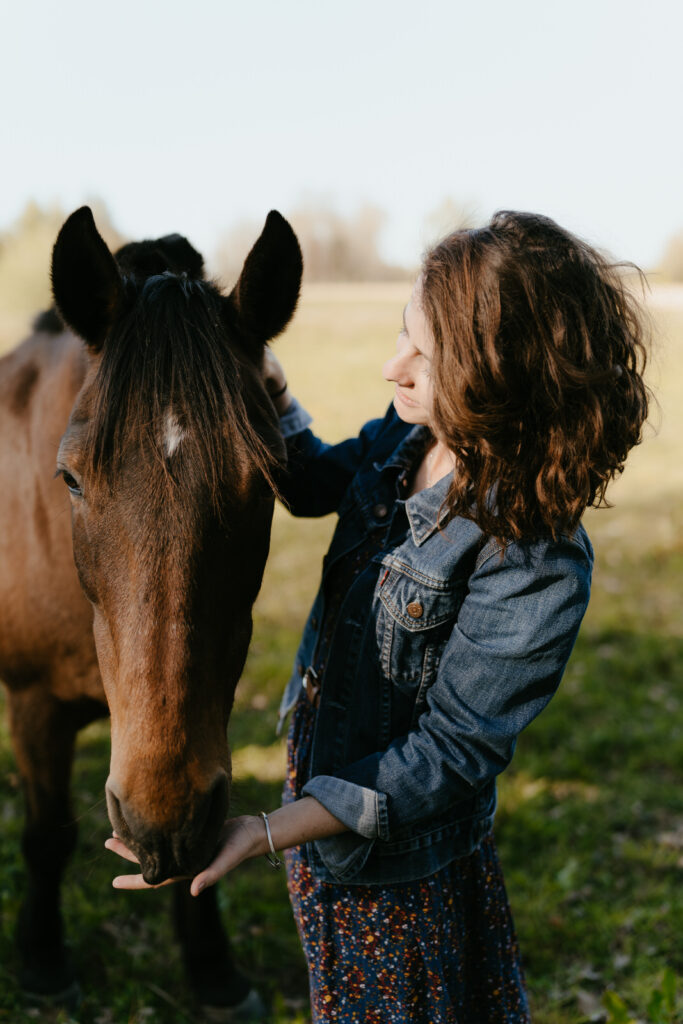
column 407, row 401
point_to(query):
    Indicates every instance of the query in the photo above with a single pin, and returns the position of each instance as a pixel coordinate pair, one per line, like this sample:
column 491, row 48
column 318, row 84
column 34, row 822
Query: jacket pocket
column 415, row 618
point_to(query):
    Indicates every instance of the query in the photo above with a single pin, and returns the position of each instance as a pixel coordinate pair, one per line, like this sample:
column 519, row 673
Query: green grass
column 590, row 825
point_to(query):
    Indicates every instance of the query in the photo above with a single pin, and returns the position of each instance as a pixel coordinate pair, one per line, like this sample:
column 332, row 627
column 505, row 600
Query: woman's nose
column 395, row 370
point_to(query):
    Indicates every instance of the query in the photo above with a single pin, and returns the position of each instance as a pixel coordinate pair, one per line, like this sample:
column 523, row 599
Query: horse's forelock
column 167, row 372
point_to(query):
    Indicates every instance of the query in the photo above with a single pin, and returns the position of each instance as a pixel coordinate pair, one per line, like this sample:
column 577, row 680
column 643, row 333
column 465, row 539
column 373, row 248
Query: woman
column 451, row 598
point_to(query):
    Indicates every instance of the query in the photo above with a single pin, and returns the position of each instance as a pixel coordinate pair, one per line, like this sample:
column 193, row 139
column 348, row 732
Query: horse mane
column 168, row 355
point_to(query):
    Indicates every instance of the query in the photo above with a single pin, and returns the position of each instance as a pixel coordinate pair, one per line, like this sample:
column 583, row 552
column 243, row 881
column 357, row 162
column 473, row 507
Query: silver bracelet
column 271, row 857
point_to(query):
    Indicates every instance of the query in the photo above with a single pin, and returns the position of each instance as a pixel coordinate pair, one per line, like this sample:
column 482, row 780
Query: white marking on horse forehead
column 173, row 434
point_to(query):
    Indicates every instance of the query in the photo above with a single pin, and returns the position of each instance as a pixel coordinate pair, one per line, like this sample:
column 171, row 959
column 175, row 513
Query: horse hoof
column 252, row 1010
column 68, row 998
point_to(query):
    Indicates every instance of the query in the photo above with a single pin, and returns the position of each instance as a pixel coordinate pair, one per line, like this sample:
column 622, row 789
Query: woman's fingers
column 226, row 859
column 206, row 878
column 116, row 846
column 239, row 842
column 137, row 882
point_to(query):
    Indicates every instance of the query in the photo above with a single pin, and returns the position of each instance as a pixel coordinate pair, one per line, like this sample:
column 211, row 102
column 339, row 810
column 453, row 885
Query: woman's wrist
column 257, row 832
column 301, row 821
column 291, row 825
column 245, row 837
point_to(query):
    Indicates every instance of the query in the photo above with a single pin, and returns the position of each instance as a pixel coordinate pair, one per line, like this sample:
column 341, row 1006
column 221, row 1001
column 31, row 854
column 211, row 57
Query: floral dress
column 439, row 950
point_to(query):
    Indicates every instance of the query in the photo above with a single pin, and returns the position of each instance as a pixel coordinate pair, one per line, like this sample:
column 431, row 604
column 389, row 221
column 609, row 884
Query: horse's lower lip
column 160, row 865
column 155, row 876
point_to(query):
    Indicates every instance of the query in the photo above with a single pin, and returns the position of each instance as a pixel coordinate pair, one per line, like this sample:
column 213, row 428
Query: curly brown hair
column 539, row 352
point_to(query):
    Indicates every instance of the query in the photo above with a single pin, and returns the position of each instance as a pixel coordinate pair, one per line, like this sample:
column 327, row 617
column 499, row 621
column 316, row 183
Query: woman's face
column 410, row 368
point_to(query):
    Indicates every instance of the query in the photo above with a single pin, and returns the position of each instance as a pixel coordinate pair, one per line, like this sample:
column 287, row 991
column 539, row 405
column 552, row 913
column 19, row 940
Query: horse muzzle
column 182, row 847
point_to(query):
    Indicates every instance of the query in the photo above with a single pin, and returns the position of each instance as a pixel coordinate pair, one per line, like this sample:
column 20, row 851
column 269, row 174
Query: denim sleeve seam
column 484, row 561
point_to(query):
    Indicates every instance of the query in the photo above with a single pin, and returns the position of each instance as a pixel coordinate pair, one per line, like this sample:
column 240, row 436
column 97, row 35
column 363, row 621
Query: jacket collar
column 425, row 512
column 424, row 509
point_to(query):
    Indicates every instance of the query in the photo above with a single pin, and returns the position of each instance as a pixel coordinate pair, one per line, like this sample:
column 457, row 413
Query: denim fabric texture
column 446, row 647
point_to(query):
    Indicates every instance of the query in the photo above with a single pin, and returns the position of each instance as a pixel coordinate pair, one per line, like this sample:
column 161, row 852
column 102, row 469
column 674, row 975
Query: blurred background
column 375, row 127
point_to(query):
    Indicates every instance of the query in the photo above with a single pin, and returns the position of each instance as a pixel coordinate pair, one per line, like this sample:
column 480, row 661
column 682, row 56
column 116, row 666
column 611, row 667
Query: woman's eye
column 72, row 484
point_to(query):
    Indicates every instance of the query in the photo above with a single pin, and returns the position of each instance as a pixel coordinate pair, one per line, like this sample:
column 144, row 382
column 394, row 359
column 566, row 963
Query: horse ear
column 86, row 282
column 265, row 297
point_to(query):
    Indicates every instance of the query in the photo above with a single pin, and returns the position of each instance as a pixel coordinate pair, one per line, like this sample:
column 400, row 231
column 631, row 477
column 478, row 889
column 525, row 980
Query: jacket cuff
column 362, row 810
column 294, row 420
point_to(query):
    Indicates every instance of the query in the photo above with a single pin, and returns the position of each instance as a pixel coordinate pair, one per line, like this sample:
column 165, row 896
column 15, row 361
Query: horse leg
column 212, row 972
column 43, row 734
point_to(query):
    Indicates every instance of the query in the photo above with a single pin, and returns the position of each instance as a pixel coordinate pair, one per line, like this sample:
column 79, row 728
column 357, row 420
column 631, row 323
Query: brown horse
column 169, row 449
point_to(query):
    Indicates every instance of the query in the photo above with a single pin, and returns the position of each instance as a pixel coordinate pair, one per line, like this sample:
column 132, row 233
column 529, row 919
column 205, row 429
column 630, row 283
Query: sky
column 191, row 117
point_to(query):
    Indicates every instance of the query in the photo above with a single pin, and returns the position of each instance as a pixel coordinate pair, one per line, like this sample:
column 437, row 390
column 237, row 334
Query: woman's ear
column 264, row 299
column 86, row 283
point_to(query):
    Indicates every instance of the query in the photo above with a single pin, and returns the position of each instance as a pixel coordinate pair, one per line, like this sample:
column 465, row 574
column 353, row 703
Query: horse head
column 170, row 457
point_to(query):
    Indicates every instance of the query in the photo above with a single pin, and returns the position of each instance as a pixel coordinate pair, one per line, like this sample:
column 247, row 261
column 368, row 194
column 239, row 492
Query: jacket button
column 380, row 511
column 415, row 610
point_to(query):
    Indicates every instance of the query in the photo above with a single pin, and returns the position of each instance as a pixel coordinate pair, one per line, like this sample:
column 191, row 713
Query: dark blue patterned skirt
column 441, row 949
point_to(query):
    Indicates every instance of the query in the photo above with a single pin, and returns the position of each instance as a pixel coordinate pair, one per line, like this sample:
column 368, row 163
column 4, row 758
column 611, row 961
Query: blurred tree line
column 25, row 250
column 340, row 247
column 336, row 247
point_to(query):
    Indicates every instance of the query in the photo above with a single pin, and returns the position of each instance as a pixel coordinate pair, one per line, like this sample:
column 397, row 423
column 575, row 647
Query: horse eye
column 72, row 484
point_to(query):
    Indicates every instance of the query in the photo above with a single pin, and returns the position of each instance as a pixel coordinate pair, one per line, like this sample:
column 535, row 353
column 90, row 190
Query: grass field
column 590, row 826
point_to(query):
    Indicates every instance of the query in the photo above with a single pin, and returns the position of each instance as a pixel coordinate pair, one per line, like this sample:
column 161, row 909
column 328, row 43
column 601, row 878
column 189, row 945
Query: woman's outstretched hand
column 245, row 837
column 241, row 838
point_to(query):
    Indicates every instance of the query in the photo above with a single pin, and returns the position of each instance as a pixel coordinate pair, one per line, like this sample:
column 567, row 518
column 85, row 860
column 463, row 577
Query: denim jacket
column 445, row 648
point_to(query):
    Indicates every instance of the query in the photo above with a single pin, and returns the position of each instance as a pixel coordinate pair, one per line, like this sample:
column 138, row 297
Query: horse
column 132, row 551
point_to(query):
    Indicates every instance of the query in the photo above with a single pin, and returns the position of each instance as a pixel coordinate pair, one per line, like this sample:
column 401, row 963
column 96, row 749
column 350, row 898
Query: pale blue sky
column 191, row 116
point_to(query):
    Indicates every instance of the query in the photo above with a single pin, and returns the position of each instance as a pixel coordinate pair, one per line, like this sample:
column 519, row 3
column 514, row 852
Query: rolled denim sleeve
column 294, row 420
column 500, row 667
column 318, row 474
column 362, row 810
